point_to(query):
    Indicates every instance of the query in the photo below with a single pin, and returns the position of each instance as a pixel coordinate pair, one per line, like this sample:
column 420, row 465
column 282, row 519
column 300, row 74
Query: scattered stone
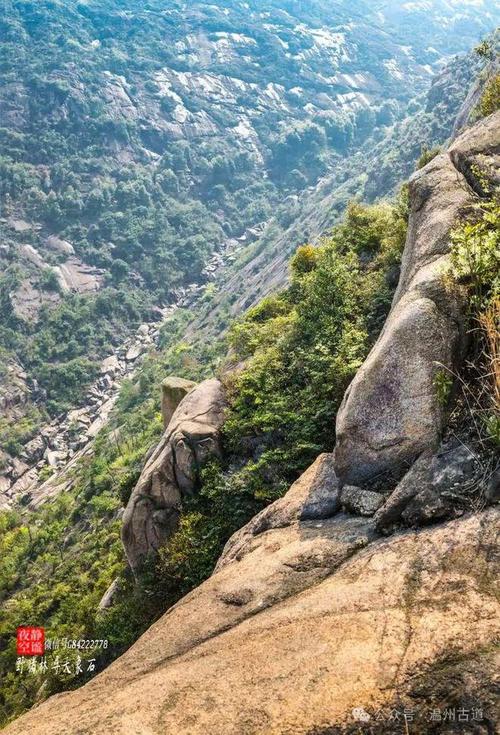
column 101, row 419
column 106, row 382
column 134, row 352
column 111, row 366
column 33, row 450
column 78, row 416
column 360, row 502
column 55, row 458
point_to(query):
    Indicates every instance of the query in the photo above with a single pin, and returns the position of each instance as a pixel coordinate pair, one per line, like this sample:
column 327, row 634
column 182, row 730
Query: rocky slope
column 303, row 632
column 313, row 622
column 62, row 442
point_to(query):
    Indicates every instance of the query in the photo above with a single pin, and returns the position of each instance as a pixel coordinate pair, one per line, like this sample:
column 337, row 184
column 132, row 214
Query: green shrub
column 490, row 99
column 49, row 281
column 426, row 156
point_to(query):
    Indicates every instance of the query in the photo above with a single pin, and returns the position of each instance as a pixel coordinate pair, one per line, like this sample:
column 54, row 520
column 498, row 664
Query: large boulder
column 313, row 628
column 391, row 412
column 437, row 485
column 193, row 434
column 173, row 390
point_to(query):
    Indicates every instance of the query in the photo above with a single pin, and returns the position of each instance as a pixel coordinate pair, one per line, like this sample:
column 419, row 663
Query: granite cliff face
column 313, row 622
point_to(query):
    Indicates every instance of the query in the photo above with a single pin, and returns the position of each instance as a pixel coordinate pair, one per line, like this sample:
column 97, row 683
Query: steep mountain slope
column 53, row 361
column 63, row 563
column 313, row 622
column 138, row 139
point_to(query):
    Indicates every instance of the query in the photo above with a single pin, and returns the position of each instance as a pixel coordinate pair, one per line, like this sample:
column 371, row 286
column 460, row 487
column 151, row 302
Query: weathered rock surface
column 303, row 630
column 360, row 502
column 134, row 351
column 429, row 489
column 108, row 597
column 173, row 390
column 315, row 495
column 193, row 434
column 391, row 412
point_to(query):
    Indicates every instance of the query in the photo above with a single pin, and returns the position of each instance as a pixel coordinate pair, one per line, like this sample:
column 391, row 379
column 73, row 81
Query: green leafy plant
column 443, row 383
column 426, row 156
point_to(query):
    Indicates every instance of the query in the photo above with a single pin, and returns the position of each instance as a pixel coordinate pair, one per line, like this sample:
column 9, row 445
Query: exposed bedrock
column 309, row 624
column 192, row 435
column 391, row 412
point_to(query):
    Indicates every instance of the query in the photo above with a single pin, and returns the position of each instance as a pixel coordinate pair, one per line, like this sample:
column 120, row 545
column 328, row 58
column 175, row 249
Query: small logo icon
column 360, row 715
column 30, row 641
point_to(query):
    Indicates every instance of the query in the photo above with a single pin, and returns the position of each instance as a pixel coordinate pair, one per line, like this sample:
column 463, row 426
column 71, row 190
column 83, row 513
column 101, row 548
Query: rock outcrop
column 430, row 489
column 192, row 435
column 391, row 413
column 173, row 390
column 309, row 627
column 313, row 496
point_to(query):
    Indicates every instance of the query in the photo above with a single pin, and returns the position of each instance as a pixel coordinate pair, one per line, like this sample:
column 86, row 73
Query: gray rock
column 33, row 450
column 173, row 390
column 55, row 458
column 110, row 366
column 25, row 483
column 59, row 245
column 18, row 468
column 153, row 511
column 360, row 502
column 108, row 597
column 426, row 493
column 134, row 352
column 391, row 412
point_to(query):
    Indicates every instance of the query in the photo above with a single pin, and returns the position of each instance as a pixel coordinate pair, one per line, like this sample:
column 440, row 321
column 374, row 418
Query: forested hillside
column 259, row 154
column 138, row 140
